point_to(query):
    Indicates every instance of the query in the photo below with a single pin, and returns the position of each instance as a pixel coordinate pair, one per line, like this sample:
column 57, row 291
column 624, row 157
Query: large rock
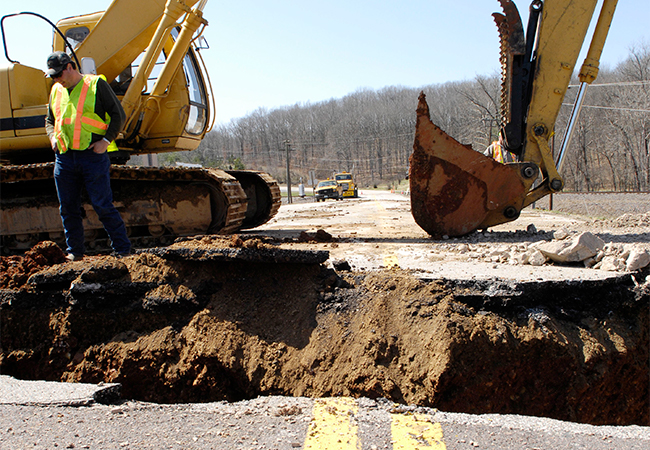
column 536, row 258
column 638, row 259
column 581, row 247
column 611, row 263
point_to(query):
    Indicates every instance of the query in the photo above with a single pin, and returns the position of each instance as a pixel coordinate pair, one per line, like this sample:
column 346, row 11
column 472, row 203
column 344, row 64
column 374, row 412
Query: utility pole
column 288, row 147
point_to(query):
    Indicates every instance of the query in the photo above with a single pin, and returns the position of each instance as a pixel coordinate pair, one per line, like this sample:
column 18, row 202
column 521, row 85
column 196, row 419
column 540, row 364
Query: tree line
column 370, row 133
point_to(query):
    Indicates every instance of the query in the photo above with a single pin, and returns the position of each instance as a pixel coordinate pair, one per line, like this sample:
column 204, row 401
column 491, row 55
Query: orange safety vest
column 75, row 120
column 501, row 155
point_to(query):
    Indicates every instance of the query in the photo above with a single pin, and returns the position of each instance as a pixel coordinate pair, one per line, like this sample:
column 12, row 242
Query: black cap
column 56, row 62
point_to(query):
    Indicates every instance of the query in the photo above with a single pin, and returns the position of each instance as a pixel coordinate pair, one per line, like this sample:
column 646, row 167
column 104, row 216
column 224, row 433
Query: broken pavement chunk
column 579, row 248
column 260, row 255
column 638, row 259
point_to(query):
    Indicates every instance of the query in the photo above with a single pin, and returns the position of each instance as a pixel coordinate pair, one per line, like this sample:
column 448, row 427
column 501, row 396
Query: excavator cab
column 455, row 189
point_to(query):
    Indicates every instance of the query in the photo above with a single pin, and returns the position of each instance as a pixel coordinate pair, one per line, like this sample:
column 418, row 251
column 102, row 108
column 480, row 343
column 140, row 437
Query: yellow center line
column 333, row 426
column 416, row 432
column 390, row 260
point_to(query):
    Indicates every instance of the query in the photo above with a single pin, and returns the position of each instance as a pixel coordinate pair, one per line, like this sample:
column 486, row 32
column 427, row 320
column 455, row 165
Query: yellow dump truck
column 345, row 181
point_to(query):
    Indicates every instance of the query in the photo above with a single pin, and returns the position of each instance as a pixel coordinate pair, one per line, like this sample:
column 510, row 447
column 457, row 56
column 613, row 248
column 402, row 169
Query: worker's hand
column 100, row 146
column 53, row 144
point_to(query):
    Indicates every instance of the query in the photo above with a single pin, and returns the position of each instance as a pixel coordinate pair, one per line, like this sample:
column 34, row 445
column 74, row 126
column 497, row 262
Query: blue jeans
column 73, row 170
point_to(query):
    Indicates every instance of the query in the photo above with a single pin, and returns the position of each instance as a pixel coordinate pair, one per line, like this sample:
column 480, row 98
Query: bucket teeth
column 511, row 37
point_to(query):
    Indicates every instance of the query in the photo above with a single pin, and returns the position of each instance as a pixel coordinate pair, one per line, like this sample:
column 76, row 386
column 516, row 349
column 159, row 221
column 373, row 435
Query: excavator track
column 157, row 204
column 264, row 196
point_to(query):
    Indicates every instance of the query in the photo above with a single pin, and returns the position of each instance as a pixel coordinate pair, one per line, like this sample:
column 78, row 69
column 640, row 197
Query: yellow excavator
column 149, row 55
column 455, row 189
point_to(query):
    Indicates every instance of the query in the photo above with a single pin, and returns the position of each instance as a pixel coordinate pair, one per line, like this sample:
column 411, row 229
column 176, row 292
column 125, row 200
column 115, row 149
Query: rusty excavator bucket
column 456, row 189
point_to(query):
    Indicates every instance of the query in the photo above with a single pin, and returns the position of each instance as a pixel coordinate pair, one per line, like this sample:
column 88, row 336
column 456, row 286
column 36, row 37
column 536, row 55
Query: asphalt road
column 377, row 230
column 35, row 415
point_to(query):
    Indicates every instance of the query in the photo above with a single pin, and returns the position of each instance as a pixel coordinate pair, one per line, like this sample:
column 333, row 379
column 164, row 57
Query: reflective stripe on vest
column 501, row 155
column 498, row 152
column 57, row 96
column 74, row 114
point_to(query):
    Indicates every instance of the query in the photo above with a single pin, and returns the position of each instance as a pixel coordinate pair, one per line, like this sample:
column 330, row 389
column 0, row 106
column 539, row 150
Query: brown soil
column 15, row 270
column 201, row 322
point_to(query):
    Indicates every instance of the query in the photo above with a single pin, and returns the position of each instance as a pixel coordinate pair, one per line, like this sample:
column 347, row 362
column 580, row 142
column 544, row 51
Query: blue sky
column 268, row 54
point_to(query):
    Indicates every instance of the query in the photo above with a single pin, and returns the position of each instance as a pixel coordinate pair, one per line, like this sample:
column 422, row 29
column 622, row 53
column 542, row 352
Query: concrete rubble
column 583, row 248
column 579, row 248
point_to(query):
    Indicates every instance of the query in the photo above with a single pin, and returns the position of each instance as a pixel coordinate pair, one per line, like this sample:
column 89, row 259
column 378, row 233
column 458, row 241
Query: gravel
column 597, row 206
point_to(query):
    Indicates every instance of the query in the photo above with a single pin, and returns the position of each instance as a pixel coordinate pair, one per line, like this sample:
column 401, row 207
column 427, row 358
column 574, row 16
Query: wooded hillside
column 370, row 133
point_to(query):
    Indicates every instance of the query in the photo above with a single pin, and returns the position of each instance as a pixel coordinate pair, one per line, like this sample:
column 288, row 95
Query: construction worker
column 83, row 119
column 497, row 151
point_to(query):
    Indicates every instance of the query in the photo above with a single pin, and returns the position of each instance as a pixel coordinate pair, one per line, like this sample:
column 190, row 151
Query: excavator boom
column 456, row 189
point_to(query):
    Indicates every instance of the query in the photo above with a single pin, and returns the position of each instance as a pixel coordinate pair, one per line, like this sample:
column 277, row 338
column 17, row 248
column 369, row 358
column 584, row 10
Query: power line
column 304, row 145
column 613, row 108
column 354, row 140
column 617, row 83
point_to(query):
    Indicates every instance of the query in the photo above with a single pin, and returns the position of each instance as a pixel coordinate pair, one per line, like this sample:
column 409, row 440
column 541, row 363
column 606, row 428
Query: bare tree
column 371, row 132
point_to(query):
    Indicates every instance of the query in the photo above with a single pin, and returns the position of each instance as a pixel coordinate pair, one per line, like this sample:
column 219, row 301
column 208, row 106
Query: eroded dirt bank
column 215, row 319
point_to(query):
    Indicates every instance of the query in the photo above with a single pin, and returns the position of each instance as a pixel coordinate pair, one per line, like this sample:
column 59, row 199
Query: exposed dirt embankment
column 201, row 322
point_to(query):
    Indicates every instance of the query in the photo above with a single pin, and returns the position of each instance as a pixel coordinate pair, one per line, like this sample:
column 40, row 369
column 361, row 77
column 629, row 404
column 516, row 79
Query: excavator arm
column 455, row 189
column 128, row 40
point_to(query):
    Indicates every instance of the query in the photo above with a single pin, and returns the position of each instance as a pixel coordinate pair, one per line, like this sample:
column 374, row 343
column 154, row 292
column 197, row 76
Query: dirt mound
column 16, row 270
column 178, row 326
